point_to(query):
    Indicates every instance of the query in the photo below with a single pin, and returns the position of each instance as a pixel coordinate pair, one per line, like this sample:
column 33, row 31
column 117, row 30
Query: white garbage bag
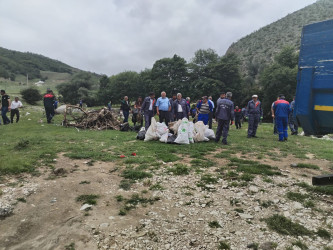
column 200, row 132
column 161, row 128
column 164, row 138
column 182, row 137
column 175, row 126
column 209, row 133
column 191, row 132
column 151, row 134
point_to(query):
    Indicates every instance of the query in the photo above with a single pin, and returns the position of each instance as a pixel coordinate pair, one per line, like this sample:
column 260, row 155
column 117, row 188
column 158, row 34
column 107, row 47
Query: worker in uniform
column 224, row 115
column 49, row 100
column 281, row 112
column 253, row 114
column 293, row 125
column 238, row 117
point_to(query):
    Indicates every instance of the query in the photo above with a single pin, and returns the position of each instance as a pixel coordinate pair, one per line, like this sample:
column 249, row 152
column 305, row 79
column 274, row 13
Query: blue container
column 314, row 95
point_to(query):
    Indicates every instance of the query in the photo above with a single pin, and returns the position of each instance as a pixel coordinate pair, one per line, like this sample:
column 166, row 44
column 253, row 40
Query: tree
column 31, row 95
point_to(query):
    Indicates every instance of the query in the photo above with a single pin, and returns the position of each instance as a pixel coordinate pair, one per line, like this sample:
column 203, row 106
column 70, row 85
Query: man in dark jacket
column 238, row 117
column 49, row 100
column 254, row 115
column 181, row 109
column 224, row 115
column 172, row 111
column 125, row 107
column 147, row 109
column 5, row 107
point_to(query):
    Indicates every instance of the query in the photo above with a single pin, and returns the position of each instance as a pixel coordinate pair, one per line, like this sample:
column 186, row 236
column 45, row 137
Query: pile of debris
column 180, row 132
column 95, row 119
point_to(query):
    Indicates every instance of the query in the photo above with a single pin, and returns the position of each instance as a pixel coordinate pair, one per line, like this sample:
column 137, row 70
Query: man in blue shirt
column 281, row 112
column 224, row 114
column 163, row 108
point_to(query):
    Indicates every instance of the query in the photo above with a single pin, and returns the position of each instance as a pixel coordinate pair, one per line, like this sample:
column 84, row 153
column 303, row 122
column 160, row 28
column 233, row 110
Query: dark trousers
column 293, row 125
column 126, row 114
column 253, row 124
column 238, row 123
column 275, row 127
column 222, row 129
column 49, row 113
column 282, row 126
column 148, row 115
column 172, row 116
column 4, row 111
column 164, row 117
column 14, row 112
column 210, row 121
column 180, row 116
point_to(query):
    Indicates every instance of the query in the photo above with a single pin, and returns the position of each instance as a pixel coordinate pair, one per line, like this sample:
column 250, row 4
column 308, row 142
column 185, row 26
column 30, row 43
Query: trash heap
column 95, row 119
column 180, row 132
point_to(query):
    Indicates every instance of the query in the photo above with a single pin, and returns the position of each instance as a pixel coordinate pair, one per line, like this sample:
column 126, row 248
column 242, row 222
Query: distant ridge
column 261, row 46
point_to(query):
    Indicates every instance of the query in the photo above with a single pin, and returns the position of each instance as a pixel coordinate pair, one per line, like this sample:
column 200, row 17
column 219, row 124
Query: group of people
column 9, row 106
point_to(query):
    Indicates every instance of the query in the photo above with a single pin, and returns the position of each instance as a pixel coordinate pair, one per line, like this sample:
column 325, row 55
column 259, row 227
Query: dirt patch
column 50, row 217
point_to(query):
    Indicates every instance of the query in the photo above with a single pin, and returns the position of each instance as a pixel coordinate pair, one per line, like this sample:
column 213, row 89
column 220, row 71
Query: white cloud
column 112, row 36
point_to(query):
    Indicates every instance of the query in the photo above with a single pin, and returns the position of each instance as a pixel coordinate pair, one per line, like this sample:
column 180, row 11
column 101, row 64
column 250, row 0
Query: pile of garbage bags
column 180, row 132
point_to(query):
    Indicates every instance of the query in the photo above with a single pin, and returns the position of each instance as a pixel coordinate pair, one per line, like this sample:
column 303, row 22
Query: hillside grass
column 29, row 144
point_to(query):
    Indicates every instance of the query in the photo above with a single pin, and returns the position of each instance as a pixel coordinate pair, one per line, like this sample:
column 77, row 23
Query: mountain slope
column 13, row 63
column 261, row 46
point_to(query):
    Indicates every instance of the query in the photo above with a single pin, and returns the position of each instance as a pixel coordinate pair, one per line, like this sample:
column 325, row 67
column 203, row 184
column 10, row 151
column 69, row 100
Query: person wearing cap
column 281, row 112
column 224, row 115
column 14, row 109
column 293, row 125
column 203, row 108
column 49, row 100
column 181, row 108
column 253, row 115
column 147, row 109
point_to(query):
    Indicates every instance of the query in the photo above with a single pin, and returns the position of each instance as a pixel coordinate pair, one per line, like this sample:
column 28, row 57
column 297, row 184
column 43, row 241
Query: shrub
column 31, row 95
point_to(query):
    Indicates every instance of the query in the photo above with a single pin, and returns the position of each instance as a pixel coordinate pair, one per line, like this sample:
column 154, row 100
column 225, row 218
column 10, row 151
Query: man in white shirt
column 14, row 109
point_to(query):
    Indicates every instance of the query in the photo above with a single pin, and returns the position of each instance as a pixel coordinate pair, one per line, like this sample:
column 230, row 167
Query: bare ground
column 51, row 217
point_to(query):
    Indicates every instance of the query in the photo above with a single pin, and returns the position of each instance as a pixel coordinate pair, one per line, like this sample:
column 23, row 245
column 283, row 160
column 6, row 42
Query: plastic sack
column 164, row 138
column 183, row 129
column 161, row 128
column 191, row 132
column 151, row 134
column 209, row 133
column 200, row 132
column 124, row 127
column 171, row 139
column 142, row 133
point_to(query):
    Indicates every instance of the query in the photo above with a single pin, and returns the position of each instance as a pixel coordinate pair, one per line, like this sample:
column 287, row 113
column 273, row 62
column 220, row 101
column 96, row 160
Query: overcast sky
column 111, row 36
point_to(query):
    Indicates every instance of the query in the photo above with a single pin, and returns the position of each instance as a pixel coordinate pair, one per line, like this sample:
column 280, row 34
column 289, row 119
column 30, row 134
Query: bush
column 31, row 95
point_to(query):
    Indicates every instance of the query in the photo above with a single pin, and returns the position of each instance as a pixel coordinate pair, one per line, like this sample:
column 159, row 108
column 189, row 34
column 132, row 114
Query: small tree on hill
column 31, row 95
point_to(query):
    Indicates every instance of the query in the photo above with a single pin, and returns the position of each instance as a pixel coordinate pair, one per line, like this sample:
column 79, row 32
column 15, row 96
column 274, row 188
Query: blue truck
column 314, row 94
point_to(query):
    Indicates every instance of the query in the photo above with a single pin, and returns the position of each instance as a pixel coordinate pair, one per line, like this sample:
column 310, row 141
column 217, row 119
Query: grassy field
column 29, row 144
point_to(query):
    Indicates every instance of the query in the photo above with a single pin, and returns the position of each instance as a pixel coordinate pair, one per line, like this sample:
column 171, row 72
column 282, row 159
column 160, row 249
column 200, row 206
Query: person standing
column 137, row 116
column 293, row 125
column 49, row 100
column 109, row 105
column 238, row 117
column 275, row 131
column 147, row 109
column 281, row 112
column 181, row 108
column 81, row 103
column 125, row 107
column 172, row 111
column 211, row 114
column 254, row 115
column 224, row 115
column 203, row 108
column 5, row 107
column 163, row 108
column 14, row 109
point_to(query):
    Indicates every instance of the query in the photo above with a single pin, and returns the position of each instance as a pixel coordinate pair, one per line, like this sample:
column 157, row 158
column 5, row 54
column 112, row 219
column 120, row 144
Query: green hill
column 15, row 63
column 260, row 47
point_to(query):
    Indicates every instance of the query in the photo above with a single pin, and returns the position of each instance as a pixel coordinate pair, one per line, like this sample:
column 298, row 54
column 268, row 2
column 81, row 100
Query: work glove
column 231, row 122
column 261, row 118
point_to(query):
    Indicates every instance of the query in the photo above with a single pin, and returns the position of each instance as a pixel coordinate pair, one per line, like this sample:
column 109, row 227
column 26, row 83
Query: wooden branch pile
column 95, row 119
